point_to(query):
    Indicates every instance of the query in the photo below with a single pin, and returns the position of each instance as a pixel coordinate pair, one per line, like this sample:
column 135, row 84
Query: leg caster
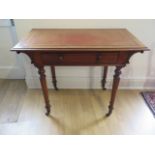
column 110, row 111
column 48, row 109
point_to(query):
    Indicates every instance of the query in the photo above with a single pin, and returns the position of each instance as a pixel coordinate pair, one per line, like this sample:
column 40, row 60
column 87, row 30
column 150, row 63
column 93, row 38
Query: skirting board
column 11, row 72
column 91, row 83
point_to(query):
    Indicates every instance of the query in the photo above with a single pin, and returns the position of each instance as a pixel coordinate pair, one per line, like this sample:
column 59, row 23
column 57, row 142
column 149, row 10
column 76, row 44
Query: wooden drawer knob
column 99, row 57
column 61, row 57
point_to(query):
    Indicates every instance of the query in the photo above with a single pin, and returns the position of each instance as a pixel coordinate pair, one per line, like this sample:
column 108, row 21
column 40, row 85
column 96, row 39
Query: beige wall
column 140, row 72
column 9, row 64
column 7, row 58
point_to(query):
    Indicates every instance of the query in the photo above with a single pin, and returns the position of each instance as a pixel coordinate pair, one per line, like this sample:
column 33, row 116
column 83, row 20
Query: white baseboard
column 91, row 83
column 75, row 82
column 11, row 72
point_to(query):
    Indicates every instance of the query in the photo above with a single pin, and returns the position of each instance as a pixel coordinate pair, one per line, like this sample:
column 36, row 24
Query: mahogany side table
column 80, row 47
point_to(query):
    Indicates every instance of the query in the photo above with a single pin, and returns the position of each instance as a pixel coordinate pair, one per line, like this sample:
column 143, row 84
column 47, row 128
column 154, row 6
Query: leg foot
column 110, row 111
column 48, row 109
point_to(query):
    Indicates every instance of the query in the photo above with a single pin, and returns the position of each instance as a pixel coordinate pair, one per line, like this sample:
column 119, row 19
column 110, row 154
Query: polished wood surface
column 80, row 47
column 41, row 72
column 116, row 80
column 103, row 82
column 78, row 112
column 87, row 39
column 54, row 77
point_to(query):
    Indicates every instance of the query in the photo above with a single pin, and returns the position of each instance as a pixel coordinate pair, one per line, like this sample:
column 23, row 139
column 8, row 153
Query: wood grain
column 87, row 39
column 11, row 95
column 73, row 112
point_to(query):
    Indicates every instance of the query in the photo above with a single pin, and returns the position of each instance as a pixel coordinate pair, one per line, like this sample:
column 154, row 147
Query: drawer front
column 49, row 59
column 69, row 59
column 107, row 58
column 80, row 59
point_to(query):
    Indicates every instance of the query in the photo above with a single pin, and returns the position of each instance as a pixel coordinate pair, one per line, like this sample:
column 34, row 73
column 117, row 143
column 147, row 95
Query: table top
column 80, row 39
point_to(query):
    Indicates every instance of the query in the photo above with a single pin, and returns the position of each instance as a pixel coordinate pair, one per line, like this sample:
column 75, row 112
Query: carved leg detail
column 41, row 72
column 103, row 82
column 54, row 77
column 116, row 80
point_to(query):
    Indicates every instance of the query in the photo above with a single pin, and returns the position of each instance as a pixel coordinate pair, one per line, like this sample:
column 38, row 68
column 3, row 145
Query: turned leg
column 116, row 80
column 103, row 82
column 41, row 72
column 54, row 77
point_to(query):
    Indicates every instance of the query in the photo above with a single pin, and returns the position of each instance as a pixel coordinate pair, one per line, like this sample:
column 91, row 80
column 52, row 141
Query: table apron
column 83, row 59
